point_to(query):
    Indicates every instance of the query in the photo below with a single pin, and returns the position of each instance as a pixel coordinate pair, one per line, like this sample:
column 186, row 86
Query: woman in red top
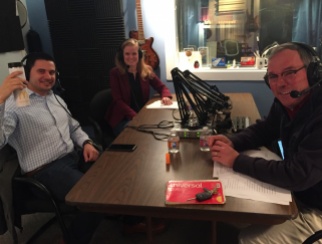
column 130, row 83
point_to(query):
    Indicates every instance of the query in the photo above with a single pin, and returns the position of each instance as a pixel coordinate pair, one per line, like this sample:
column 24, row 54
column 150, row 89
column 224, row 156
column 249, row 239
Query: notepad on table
column 158, row 105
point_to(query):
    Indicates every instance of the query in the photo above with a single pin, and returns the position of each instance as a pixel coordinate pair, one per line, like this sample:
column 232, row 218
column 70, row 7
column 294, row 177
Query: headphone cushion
column 26, row 72
column 140, row 53
column 266, row 80
column 314, row 72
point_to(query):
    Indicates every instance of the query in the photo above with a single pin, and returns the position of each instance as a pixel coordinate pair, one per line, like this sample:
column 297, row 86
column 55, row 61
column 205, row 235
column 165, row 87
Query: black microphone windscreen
column 295, row 94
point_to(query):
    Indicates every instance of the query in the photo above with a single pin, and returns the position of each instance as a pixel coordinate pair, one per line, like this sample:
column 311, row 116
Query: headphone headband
column 24, row 58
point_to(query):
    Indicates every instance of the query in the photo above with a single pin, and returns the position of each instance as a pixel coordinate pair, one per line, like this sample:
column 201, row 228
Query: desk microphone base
column 237, row 124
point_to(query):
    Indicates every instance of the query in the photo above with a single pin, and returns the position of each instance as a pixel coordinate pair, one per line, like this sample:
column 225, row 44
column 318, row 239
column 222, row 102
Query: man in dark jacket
column 293, row 75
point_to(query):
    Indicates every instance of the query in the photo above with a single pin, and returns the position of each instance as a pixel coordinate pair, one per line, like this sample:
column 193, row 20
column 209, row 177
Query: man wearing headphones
column 294, row 76
column 130, row 84
column 44, row 134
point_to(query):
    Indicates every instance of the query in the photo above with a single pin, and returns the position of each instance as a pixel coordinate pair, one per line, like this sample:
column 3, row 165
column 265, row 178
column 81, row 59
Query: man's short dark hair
column 31, row 58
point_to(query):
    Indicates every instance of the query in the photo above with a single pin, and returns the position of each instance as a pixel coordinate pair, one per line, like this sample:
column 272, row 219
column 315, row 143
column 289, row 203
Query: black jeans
column 59, row 177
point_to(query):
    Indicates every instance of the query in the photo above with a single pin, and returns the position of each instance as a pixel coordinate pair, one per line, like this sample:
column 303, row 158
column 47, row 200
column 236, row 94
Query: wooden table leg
column 213, row 232
column 149, row 229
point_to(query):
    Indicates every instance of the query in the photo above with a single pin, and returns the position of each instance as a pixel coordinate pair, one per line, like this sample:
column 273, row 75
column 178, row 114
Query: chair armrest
column 36, row 184
column 99, row 135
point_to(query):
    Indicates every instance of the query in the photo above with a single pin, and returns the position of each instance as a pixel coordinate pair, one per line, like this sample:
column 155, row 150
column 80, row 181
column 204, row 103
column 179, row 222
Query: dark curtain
column 276, row 22
column 188, row 19
column 308, row 23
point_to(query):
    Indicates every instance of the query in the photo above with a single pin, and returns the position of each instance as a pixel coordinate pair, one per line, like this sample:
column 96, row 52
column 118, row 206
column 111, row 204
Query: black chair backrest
column 7, row 153
column 99, row 105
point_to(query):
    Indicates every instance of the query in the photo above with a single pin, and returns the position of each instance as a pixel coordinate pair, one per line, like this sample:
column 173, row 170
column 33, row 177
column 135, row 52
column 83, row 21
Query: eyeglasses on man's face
column 287, row 75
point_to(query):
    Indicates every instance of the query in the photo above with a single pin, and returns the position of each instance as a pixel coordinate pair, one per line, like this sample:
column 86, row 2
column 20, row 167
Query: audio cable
column 153, row 129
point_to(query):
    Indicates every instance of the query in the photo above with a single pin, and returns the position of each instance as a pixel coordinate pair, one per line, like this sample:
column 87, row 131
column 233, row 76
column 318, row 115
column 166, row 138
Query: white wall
column 158, row 23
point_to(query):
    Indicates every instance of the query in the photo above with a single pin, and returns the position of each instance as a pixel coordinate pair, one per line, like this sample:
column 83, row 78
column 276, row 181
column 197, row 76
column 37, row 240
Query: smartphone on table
column 122, row 147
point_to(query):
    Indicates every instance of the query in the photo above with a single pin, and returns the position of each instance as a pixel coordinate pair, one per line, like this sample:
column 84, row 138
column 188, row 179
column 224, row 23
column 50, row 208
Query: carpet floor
column 110, row 232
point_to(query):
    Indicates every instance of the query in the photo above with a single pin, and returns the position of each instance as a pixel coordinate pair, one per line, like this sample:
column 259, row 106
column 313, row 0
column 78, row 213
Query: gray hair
column 306, row 55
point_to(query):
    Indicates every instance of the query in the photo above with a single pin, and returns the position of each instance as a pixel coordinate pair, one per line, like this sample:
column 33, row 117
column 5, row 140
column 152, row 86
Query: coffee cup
column 261, row 62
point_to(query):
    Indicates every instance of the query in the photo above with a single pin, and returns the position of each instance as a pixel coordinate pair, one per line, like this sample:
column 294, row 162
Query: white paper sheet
column 242, row 186
column 158, row 105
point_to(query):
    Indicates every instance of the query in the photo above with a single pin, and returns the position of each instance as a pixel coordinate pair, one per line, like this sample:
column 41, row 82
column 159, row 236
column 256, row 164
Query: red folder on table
column 183, row 191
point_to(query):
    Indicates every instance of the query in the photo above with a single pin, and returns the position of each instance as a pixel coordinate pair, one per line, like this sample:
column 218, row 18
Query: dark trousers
column 59, row 177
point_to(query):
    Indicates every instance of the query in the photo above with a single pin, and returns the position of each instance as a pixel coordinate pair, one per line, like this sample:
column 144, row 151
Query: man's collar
column 30, row 92
column 292, row 112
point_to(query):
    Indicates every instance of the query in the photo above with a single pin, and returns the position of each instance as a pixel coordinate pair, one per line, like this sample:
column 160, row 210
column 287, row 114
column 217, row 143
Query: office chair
column 98, row 106
column 313, row 238
column 25, row 201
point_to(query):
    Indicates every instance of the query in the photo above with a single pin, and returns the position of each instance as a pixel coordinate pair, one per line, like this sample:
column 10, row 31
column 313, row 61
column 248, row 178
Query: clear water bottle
column 204, row 134
column 173, row 142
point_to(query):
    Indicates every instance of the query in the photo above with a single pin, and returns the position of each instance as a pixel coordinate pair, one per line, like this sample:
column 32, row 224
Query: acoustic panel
column 83, row 32
column 109, row 8
column 85, row 36
column 110, row 31
column 57, row 9
column 82, row 9
column 73, row 89
column 61, row 34
column 90, row 61
column 67, row 61
column 90, row 86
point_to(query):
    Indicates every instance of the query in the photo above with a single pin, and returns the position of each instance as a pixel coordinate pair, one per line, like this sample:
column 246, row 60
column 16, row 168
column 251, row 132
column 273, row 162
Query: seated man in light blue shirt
column 44, row 134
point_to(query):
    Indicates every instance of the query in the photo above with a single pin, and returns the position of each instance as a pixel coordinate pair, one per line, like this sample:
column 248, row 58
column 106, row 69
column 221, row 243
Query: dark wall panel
column 110, row 8
column 85, row 36
column 10, row 30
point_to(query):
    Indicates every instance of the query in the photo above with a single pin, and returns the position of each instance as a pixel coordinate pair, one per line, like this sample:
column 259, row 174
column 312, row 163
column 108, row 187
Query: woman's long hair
column 143, row 69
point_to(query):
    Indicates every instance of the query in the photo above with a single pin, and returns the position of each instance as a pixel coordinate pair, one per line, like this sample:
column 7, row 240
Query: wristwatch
column 89, row 142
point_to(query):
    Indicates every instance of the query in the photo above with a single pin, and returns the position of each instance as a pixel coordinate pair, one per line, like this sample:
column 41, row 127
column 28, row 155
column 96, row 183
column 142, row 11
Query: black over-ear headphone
column 27, row 70
column 120, row 49
column 29, row 60
column 314, row 68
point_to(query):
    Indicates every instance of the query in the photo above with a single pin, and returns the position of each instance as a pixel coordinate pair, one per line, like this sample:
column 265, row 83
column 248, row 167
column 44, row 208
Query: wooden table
column 134, row 183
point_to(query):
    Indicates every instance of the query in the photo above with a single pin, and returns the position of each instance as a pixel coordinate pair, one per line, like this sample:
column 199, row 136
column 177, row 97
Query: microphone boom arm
column 196, row 97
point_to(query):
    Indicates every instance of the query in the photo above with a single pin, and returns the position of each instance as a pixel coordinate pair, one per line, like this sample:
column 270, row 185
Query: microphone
column 297, row 94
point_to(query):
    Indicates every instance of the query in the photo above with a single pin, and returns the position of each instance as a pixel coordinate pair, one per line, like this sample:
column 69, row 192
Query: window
column 234, row 29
